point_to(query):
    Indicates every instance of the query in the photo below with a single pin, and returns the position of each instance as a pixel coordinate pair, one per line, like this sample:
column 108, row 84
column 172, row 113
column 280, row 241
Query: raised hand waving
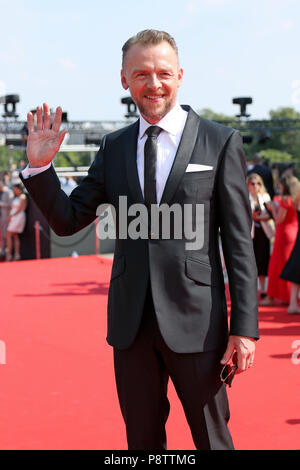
column 44, row 143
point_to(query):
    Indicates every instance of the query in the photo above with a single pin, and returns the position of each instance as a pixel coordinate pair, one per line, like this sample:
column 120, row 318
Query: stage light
column 10, row 102
column 242, row 102
column 131, row 107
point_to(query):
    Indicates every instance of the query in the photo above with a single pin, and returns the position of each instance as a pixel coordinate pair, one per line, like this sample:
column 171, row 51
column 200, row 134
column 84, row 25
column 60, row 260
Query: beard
column 149, row 112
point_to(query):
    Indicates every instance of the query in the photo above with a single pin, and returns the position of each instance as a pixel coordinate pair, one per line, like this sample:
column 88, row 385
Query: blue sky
column 68, row 52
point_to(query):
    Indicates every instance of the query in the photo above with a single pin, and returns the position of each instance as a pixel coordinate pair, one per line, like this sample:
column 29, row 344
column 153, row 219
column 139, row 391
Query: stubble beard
column 155, row 115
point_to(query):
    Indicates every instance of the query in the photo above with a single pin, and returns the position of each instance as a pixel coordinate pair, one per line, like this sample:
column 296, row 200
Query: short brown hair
column 149, row 37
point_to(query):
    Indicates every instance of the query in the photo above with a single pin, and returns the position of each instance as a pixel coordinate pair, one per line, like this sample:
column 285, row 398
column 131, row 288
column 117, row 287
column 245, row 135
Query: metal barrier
column 39, row 230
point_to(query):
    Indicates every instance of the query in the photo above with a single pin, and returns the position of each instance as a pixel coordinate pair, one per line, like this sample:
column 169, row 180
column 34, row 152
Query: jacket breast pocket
column 197, row 175
column 118, row 268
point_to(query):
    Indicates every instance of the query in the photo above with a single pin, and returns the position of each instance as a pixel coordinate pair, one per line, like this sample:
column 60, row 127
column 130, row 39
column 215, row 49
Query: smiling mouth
column 154, row 98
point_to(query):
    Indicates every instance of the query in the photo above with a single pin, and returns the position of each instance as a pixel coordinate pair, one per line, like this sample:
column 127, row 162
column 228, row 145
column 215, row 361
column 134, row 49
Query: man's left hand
column 244, row 346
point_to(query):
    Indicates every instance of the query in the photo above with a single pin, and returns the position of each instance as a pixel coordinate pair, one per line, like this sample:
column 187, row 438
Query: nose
column 153, row 81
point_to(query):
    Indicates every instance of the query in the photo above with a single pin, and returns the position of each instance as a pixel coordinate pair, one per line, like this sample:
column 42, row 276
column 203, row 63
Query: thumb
column 228, row 353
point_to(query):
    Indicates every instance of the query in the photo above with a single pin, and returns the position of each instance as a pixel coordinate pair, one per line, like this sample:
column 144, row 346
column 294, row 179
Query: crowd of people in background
column 275, row 203
column 13, row 202
column 13, row 205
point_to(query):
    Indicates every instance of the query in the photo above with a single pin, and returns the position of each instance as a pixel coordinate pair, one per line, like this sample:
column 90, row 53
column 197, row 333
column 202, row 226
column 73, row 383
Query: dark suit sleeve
column 69, row 214
column 235, row 221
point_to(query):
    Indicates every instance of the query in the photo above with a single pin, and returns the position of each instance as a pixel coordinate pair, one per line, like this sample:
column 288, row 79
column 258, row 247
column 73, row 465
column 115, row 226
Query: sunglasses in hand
column 229, row 370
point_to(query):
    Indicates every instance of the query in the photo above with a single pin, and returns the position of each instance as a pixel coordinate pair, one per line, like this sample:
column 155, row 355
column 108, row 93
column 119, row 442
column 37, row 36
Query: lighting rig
column 253, row 128
column 86, row 136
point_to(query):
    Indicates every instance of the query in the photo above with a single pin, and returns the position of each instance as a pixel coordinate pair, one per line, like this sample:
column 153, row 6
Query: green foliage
column 208, row 113
column 284, row 113
column 13, row 156
column 287, row 141
column 6, row 155
column 274, row 155
column 64, row 159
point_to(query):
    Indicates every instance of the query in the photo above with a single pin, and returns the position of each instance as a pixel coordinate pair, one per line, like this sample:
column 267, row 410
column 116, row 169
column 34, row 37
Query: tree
column 5, row 155
column 73, row 158
column 61, row 159
column 208, row 113
column 289, row 140
column 275, row 156
column 284, row 113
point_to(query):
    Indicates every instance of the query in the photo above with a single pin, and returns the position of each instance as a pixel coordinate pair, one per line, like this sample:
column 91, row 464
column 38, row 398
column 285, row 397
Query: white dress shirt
column 167, row 144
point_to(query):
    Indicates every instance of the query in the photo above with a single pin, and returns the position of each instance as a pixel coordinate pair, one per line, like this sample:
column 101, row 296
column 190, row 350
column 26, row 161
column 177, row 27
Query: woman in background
column 16, row 223
column 263, row 227
column 291, row 271
column 286, row 219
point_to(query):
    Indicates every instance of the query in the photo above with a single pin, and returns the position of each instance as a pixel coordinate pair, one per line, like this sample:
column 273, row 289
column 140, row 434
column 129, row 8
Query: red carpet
column 53, row 325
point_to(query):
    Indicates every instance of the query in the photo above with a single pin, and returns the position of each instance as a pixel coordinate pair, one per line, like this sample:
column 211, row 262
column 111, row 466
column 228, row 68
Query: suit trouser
column 142, row 372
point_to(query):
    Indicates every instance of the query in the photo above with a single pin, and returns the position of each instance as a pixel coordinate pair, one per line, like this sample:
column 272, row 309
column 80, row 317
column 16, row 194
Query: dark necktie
column 150, row 153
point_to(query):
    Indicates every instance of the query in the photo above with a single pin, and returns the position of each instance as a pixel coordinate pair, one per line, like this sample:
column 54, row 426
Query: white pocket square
column 195, row 167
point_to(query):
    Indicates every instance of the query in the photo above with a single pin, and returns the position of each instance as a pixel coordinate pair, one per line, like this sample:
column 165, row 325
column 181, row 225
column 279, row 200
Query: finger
column 227, row 354
column 61, row 137
column 47, row 117
column 251, row 360
column 242, row 362
column 30, row 123
column 39, row 116
column 57, row 119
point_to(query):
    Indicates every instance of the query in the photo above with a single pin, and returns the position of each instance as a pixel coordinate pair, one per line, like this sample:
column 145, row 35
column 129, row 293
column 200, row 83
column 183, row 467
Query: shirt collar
column 173, row 122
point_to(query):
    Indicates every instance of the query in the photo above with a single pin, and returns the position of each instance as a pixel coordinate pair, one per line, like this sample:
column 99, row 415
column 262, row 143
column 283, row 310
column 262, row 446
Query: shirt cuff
column 27, row 172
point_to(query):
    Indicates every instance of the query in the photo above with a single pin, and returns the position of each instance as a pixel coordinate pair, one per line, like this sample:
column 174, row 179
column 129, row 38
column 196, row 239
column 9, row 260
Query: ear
column 124, row 81
column 180, row 76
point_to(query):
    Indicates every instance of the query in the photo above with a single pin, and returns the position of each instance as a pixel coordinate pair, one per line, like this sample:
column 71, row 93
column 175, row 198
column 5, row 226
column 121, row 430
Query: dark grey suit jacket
column 187, row 286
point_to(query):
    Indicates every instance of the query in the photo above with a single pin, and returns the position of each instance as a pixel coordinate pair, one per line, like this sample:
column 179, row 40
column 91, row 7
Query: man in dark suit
column 167, row 314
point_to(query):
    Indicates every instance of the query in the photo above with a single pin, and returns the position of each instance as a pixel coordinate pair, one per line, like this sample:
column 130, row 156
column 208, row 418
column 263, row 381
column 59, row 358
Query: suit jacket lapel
column 130, row 145
column 183, row 155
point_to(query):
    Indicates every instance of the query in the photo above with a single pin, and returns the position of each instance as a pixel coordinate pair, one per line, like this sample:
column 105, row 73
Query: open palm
column 44, row 143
